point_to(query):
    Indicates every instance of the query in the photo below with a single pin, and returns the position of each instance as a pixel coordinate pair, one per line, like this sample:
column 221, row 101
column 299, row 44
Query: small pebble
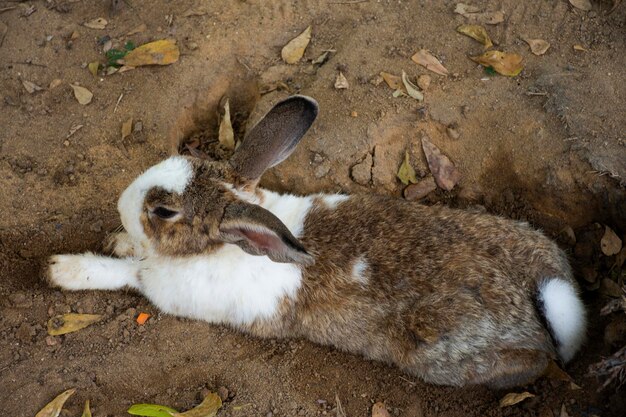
column 354, row 114
column 453, row 133
column 423, row 82
column 223, row 393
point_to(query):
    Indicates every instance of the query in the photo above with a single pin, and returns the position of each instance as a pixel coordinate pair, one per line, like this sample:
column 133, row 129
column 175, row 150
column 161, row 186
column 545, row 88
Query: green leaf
column 129, row 46
column 490, row 71
column 151, row 410
column 406, row 173
column 113, row 55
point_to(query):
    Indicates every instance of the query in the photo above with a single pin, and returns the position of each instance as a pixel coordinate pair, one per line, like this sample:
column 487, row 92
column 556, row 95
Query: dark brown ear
column 259, row 232
column 274, row 137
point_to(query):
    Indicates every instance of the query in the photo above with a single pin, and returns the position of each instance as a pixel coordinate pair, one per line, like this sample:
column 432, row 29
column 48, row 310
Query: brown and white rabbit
column 451, row 296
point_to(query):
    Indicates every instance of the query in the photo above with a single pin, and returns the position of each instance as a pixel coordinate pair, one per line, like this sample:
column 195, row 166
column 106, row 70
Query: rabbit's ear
column 274, row 137
column 259, row 232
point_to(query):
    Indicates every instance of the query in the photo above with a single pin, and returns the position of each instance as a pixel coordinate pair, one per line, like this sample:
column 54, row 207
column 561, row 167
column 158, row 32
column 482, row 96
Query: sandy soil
column 546, row 146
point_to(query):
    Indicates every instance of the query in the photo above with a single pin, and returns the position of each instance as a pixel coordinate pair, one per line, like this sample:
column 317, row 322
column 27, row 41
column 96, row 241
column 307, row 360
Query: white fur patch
column 359, row 270
column 228, row 286
column 92, row 272
column 290, row 209
column 565, row 313
column 173, row 175
column 331, row 201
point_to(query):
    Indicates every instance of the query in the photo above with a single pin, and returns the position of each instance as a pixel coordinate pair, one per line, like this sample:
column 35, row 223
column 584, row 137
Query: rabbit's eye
column 164, row 213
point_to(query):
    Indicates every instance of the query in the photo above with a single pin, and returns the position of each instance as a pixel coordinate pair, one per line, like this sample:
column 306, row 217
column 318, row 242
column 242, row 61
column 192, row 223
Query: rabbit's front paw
column 123, row 245
column 90, row 272
column 66, row 271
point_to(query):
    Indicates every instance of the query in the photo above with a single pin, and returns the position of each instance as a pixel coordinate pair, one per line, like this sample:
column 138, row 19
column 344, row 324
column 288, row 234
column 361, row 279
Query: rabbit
column 453, row 297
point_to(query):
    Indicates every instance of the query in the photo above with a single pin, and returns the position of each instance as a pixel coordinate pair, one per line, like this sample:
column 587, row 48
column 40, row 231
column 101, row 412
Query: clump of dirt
column 546, row 146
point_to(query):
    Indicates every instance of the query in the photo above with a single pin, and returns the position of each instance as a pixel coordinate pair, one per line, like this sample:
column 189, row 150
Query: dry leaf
column 537, row 46
column 83, row 95
column 393, row 81
column 226, row 134
column 420, row 189
column 55, row 83
column 581, row 4
column 564, row 412
column 341, row 82
column 93, row 68
column 31, row 87
column 99, row 23
column 320, row 60
column 127, row 128
column 553, row 371
column 488, row 18
column 161, row 52
column 476, row 32
column 294, row 50
column 67, row 323
column 445, row 173
column 399, row 93
column 411, row 88
column 54, row 407
column 138, row 29
column 610, row 244
column 502, row 62
column 513, row 398
column 379, row 410
column 428, row 61
column 195, row 11
column 464, row 9
column 86, row 410
column 406, row 173
column 207, row 408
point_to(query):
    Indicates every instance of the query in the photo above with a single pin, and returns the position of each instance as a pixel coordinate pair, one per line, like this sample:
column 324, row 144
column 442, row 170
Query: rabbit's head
column 188, row 206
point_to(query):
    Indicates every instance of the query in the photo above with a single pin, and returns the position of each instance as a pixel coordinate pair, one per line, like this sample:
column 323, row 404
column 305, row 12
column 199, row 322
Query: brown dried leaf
column 610, row 244
column 127, row 128
column 411, row 89
column 581, row 4
column 226, row 134
column 55, row 83
column 54, row 407
column 195, row 11
column 379, row 410
column 502, row 62
column 341, row 83
column 564, row 412
column 579, row 47
column 476, row 32
column 553, row 371
column 30, row 86
column 207, row 408
column 99, row 23
column 71, row 322
column 428, row 61
column 138, row 29
column 161, row 52
column 488, row 18
column 86, row 410
column 513, row 398
column 393, row 81
column 465, row 9
column 420, row 189
column 294, row 50
column 537, row 46
column 406, row 173
column 445, row 173
column 83, row 95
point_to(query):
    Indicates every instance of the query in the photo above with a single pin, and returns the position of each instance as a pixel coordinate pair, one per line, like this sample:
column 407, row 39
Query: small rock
column 376, row 80
column 55, row 83
column 453, row 133
column 192, row 46
column 318, row 158
column 420, row 189
column 610, row 288
column 362, row 172
column 322, row 170
column 138, row 127
column 567, row 236
column 423, row 82
column 223, row 393
column 52, row 341
column 353, row 113
column 589, row 274
column 341, row 83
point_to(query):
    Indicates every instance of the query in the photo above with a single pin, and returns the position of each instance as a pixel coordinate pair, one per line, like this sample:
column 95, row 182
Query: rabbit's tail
column 564, row 312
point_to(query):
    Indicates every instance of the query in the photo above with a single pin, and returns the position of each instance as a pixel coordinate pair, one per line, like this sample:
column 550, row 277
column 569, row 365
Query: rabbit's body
column 452, row 296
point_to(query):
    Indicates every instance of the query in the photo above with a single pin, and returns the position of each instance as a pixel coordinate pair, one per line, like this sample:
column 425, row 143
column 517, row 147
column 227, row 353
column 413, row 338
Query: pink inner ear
column 267, row 241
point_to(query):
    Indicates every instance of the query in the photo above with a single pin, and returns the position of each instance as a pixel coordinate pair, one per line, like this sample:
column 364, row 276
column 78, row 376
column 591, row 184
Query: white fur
column 565, row 313
column 90, row 272
column 331, row 201
column 359, row 270
column 173, row 175
column 290, row 209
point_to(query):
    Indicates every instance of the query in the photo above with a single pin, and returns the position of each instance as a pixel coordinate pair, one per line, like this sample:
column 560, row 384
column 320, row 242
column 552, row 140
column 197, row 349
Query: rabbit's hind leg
column 91, row 272
column 514, row 367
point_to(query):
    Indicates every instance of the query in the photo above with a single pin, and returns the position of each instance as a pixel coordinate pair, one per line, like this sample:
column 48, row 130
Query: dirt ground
column 547, row 146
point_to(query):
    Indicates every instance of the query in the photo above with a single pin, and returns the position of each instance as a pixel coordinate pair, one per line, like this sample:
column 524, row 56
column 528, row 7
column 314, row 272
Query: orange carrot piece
column 142, row 318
